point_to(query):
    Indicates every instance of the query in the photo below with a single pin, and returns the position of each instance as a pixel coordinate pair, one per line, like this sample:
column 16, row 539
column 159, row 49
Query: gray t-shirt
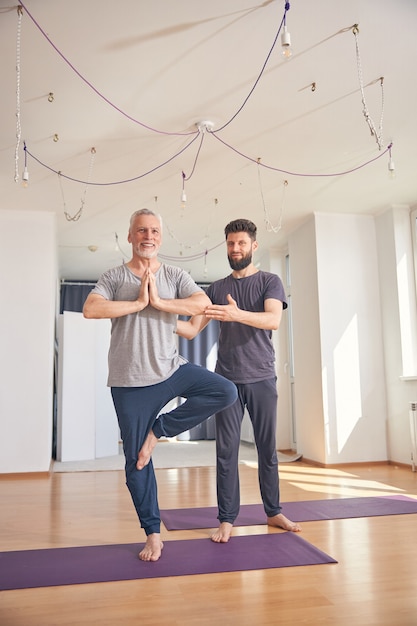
column 246, row 354
column 143, row 347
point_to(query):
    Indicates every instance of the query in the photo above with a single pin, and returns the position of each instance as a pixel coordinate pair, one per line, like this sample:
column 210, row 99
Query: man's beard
column 241, row 263
column 144, row 254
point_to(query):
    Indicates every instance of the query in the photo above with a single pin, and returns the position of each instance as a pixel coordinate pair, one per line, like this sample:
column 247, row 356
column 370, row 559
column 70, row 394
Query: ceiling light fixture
column 183, row 194
column 25, row 175
column 205, row 125
column 205, row 271
column 286, row 44
column 391, row 165
column 286, row 37
column 202, row 127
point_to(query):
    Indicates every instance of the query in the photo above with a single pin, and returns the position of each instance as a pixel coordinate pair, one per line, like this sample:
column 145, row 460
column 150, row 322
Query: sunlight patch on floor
column 327, row 481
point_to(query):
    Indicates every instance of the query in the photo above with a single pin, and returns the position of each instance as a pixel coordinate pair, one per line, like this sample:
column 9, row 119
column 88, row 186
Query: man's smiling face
column 145, row 236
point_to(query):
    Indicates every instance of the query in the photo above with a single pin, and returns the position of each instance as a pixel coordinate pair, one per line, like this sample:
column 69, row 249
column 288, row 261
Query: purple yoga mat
column 308, row 511
column 92, row 564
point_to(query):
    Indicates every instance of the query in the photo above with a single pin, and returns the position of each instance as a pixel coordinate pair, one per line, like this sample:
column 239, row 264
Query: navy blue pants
column 261, row 401
column 137, row 410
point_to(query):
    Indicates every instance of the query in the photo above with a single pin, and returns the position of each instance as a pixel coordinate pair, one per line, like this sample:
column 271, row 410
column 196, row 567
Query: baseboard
column 336, row 465
column 24, row 475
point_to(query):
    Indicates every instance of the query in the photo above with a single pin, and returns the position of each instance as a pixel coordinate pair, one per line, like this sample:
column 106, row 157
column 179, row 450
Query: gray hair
column 144, row 212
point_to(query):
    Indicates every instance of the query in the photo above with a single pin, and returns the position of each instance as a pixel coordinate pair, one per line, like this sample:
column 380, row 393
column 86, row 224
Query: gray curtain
column 73, row 295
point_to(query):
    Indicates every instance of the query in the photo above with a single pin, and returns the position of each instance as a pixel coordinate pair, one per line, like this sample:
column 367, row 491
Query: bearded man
column 248, row 304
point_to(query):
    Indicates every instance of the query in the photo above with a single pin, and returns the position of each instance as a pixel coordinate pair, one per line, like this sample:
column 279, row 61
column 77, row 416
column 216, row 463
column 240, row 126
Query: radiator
column 413, row 429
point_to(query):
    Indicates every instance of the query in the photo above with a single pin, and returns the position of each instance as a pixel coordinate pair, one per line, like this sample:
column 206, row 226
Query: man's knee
column 230, row 392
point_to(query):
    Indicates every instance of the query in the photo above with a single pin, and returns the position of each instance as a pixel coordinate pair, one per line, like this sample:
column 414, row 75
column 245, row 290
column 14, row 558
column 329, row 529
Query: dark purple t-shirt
column 246, row 354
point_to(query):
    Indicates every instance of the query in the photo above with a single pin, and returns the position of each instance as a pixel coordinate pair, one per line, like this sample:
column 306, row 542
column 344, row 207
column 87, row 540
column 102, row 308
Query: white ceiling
column 133, row 78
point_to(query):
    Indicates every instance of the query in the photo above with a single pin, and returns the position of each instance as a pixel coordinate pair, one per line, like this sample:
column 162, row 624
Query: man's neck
column 247, row 271
column 138, row 265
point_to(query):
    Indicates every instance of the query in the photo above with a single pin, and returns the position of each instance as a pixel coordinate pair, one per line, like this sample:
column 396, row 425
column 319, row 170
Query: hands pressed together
column 148, row 293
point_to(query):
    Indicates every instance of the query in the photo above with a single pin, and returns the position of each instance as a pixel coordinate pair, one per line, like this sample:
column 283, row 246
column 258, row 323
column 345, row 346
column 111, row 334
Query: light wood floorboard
column 373, row 584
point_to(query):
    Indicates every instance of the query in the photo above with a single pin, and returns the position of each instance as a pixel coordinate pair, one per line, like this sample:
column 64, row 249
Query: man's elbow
column 188, row 334
column 198, row 306
column 88, row 311
column 193, row 332
column 275, row 324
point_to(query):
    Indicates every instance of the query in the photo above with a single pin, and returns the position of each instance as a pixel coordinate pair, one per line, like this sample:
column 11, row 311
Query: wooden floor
column 374, row 582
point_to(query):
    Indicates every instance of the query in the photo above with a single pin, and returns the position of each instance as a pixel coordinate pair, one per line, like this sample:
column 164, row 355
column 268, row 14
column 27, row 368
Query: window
column 414, row 237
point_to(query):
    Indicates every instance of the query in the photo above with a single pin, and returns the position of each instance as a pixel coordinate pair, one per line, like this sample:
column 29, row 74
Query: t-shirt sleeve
column 104, row 286
column 186, row 286
column 275, row 289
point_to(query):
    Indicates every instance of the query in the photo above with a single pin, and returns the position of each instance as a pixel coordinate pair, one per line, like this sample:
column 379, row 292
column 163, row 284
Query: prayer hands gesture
column 148, row 293
column 154, row 299
column 149, row 296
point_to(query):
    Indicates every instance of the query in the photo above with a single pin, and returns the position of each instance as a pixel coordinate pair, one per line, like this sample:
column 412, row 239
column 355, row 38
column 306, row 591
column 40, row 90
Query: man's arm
column 190, row 328
column 269, row 319
column 193, row 305
column 98, row 307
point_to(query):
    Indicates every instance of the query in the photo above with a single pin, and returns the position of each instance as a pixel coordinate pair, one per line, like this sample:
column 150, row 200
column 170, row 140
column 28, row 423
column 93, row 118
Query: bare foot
column 280, row 521
column 145, row 452
column 222, row 534
column 152, row 549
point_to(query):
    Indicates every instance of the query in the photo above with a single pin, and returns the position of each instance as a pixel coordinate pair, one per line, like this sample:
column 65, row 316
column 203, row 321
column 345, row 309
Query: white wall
column 87, row 425
column 395, row 248
column 75, row 408
column 310, row 433
column 352, row 357
column 27, row 304
column 339, row 365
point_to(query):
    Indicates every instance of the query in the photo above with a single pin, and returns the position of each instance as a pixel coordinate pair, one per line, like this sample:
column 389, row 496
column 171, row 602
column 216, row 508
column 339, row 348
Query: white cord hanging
column 376, row 133
column 268, row 223
column 78, row 214
column 198, row 244
column 18, row 123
